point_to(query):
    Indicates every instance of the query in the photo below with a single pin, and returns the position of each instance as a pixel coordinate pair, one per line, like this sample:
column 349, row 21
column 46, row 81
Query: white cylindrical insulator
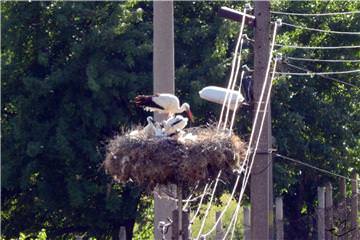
column 217, row 95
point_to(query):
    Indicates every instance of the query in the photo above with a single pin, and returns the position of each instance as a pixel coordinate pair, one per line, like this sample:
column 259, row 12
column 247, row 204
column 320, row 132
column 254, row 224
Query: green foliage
column 40, row 236
column 71, row 69
column 315, row 120
column 210, row 220
column 144, row 226
column 67, row 78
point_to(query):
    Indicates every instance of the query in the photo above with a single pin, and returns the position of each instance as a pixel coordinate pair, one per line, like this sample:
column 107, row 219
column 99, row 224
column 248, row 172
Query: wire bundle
column 244, row 170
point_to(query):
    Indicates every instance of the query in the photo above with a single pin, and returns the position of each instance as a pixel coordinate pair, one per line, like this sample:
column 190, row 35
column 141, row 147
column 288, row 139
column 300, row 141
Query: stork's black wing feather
column 176, row 122
column 146, row 101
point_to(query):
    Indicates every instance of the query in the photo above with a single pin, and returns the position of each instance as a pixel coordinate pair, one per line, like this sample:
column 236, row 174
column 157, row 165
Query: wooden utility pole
column 261, row 184
column 164, row 82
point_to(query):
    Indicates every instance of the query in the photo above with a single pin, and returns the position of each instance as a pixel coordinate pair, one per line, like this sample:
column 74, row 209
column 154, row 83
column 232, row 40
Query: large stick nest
column 152, row 161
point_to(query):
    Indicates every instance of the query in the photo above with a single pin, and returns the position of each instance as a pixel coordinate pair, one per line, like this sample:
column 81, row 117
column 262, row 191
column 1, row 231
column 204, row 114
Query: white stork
column 152, row 129
column 217, row 95
column 163, row 103
column 175, row 124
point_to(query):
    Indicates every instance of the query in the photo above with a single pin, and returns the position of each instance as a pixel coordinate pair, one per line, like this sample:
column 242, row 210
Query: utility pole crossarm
column 235, row 15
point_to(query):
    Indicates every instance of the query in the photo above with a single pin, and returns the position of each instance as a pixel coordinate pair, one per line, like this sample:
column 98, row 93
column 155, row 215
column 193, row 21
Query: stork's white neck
column 150, row 121
column 183, row 108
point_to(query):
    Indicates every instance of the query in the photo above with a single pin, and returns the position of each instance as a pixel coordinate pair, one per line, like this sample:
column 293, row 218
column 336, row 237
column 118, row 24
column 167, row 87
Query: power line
column 325, row 77
column 267, row 101
column 209, row 205
column 262, row 121
column 186, row 201
column 322, row 60
column 264, row 169
column 314, row 14
column 319, row 30
column 199, row 205
column 308, row 47
column 318, row 73
column 238, row 45
column 313, row 167
column 234, row 69
column 318, row 47
column 245, row 165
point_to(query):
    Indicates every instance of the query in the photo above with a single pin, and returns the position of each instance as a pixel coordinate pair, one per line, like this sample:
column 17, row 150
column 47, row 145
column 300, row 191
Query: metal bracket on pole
column 278, row 57
column 245, row 68
column 279, row 22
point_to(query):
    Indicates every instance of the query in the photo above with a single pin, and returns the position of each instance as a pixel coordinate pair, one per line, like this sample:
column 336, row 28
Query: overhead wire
column 240, row 41
column 264, row 169
column 318, row 73
column 209, row 205
column 267, row 100
column 232, row 91
column 323, row 60
column 248, row 152
column 237, row 101
column 308, row 47
column 187, row 201
column 320, row 30
column 248, row 170
column 325, row 77
column 314, row 167
column 318, row 47
column 176, row 200
column 237, row 54
column 314, row 14
column 199, row 205
column 308, row 72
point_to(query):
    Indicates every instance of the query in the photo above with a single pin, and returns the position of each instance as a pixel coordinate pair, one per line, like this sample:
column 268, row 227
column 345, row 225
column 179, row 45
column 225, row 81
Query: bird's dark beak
column 190, row 115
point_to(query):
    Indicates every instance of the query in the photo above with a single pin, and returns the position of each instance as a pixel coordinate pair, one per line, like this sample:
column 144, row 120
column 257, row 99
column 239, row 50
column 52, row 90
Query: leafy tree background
column 316, row 120
column 71, row 69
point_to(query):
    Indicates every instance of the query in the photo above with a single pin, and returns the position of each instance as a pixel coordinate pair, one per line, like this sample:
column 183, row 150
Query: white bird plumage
column 175, row 124
column 152, row 129
column 163, row 103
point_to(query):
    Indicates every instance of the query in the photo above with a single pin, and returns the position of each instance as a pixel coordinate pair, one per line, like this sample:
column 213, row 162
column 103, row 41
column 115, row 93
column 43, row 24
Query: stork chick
column 175, row 124
column 152, row 129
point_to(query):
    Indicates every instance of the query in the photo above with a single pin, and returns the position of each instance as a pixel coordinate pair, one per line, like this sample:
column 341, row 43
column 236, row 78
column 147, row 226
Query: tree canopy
column 71, row 69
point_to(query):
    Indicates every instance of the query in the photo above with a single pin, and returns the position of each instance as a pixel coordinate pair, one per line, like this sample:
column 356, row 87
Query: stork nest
column 165, row 160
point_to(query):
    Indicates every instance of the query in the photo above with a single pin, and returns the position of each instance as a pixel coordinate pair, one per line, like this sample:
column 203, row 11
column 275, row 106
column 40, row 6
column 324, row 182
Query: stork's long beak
column 190, row 115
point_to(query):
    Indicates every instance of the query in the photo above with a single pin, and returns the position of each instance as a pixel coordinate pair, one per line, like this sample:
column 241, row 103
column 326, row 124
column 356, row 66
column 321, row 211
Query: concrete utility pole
column 164, row 82
column 261, row 184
